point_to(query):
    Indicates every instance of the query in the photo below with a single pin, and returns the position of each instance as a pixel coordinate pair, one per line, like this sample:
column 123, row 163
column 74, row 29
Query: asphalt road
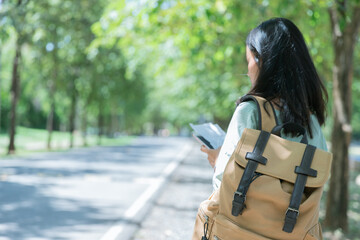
column 95, row 193
column 173, row 214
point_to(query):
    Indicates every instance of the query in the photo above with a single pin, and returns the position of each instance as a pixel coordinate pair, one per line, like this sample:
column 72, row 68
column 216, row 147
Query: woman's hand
column 212, row 154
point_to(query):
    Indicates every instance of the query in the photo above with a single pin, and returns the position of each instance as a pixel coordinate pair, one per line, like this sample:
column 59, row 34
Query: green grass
column 29, row 140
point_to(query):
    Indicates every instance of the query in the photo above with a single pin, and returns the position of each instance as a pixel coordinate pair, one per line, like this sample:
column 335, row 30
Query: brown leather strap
column 266, row 112
column 254, row 158
column 303, row 172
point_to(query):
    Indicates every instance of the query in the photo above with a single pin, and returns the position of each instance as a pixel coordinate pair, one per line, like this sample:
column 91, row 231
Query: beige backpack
column 271, row 187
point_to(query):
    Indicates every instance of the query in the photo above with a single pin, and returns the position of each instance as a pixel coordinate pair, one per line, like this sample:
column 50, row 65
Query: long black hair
column 287, row 74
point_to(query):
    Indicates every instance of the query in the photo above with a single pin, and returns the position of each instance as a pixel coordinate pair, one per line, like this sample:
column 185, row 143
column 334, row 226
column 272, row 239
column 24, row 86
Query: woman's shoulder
column 246, row 114
column 247, row 106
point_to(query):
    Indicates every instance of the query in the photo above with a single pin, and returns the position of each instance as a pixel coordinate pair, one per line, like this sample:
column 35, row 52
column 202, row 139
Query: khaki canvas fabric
column 269, row 195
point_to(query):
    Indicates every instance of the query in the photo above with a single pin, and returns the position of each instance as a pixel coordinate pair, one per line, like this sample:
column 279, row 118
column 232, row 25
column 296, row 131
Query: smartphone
column 203, row 141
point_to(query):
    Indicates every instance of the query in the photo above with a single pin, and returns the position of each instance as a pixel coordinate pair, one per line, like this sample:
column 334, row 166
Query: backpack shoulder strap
column 267, row 119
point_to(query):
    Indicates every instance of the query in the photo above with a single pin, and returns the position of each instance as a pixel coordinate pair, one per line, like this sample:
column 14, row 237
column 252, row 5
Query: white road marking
column 116, row 230
column 113, row 232
column 144, row 198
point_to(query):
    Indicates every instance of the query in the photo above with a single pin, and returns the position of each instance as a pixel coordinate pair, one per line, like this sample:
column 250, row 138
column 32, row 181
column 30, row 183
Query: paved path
column 174, row 212
column 84, row 193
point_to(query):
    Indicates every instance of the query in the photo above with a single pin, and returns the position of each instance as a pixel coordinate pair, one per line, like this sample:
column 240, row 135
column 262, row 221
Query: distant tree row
column 52, row 78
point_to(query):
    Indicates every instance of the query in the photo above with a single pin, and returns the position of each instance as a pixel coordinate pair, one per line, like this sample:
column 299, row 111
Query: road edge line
column 146, row 198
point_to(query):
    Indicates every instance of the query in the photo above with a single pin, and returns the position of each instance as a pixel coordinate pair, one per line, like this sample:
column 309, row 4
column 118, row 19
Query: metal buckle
column 293, row 210
column 240, row 194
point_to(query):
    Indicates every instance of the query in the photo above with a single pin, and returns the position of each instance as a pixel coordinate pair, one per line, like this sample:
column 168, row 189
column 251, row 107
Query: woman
column 280, row 70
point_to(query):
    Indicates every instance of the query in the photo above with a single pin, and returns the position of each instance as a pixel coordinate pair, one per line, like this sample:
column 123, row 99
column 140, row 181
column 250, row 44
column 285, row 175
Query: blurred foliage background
column 135, row 67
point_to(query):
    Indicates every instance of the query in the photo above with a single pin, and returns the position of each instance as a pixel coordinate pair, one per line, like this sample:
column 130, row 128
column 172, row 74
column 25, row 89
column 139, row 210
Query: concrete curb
column 125, row 230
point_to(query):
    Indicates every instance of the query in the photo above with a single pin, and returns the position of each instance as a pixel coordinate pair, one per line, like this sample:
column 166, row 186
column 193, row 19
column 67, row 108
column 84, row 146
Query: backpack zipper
column 206, row 224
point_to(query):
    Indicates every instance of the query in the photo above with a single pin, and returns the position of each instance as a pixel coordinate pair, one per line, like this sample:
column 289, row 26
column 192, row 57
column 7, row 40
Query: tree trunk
column 108, row 125
column 344, row 39
column 84, row 126
column 50, row 118
column 52, row 90
column 114, row 124
column 100, row 124
column 15, row 85
column 72, row 113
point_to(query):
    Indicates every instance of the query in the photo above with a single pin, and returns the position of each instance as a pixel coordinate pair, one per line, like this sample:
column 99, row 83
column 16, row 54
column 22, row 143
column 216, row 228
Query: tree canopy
column 125, row 57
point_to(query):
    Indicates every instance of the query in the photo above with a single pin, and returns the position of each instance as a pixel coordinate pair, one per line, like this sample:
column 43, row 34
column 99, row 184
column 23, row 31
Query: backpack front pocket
column 226, row 229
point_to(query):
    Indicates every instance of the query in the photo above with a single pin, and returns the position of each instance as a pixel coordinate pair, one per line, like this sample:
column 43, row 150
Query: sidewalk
column 174, row 212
